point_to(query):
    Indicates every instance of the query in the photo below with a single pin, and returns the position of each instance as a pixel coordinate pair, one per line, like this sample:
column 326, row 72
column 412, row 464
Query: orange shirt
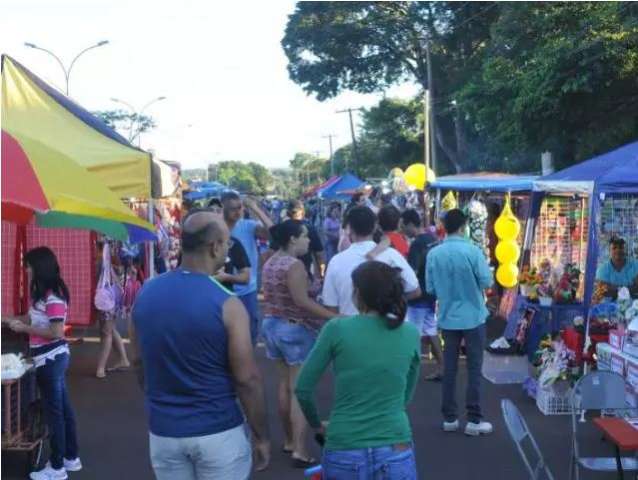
column 399, row 243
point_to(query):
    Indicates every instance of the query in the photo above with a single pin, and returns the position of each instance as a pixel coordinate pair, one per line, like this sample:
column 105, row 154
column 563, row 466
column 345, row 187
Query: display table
column 557, row 314
column 621, row 433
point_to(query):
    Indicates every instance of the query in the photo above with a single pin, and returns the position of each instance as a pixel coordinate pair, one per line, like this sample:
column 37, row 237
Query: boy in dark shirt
column 421, row 311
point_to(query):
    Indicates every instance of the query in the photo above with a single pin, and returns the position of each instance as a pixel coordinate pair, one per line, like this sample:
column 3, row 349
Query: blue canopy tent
column 611, row 174
column 334, row 191
column 486, row 182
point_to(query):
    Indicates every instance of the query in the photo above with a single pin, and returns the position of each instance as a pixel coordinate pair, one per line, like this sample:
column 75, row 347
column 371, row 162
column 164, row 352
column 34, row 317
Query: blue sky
column 220, row 65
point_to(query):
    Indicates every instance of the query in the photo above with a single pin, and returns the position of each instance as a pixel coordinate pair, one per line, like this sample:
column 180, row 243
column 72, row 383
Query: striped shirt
column 43, row 313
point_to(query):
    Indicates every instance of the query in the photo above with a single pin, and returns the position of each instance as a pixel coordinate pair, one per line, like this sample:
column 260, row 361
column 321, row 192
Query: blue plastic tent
column 488, row 182
column 613, row 173
column 616, row 171
column 347, row 181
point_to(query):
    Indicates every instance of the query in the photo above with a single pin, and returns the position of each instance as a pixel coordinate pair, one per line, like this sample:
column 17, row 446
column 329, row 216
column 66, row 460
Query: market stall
column 51, row 190
column 484, row 196
column 575, row 214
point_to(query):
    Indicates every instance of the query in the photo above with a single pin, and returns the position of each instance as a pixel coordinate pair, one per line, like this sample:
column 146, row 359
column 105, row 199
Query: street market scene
column 321, row 240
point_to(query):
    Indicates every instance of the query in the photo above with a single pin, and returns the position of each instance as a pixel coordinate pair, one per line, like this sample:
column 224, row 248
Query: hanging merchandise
column 507, row 275
column 507, row 251
column 449, row 202
column 417, row 176
column 477, row 212
column 507, row 227
column 108, row 295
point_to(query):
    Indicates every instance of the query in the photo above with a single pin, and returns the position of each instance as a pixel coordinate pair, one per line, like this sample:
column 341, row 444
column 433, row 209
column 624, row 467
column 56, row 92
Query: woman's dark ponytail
column 381, row 289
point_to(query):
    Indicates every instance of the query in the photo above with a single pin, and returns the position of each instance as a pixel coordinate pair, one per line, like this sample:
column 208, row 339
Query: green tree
column 245, row 177
column 368, row 46
column 130, row 125
column 558, row 76
column 308, row 169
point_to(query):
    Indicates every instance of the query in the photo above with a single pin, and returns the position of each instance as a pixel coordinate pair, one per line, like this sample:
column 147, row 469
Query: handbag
column 108, row 293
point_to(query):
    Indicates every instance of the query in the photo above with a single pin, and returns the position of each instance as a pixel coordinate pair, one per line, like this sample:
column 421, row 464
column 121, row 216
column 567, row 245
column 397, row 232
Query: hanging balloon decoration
column 416, row 176
column 507, row 227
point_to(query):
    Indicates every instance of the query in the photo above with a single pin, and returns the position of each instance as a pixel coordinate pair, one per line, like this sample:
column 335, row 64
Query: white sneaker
column 476, row 429
column 73, row 465
column 49, row 473
column 451, row 426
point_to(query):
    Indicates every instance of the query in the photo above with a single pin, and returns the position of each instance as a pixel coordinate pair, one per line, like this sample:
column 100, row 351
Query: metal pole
column 426, row 146
column 431, row 93
column 354, row 142
column 67, row 72
column 332, row 163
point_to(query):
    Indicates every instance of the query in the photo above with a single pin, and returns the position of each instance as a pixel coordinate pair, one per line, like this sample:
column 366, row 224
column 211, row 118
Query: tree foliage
column 128, row 124
column 510, row 79
column 245, row 177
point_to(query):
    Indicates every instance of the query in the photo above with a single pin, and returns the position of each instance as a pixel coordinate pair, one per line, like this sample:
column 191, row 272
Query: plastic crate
column 550, row 402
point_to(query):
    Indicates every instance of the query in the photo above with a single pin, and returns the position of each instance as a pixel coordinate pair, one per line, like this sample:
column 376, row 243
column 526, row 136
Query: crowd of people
column 389, row 284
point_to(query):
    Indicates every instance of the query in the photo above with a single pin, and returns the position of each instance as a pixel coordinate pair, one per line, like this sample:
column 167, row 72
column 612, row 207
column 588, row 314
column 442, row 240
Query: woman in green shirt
column 376, row 360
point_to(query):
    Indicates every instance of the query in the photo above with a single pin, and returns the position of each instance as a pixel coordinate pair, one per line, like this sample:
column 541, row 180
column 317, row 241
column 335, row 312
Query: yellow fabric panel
column 70, row 188
column 27, row 109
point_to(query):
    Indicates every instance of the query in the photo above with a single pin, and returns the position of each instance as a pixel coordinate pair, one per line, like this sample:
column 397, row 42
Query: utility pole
column 432, row 114
column 355, row 148
column 426, row 156
column 330, row 136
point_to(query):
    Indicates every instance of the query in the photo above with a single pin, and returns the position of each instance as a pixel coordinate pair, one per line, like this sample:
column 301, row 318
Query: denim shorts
column 287, row 341
column 378, row 463
column 424, row 319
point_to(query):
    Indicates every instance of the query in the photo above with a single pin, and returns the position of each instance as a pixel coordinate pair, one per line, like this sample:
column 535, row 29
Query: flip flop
column 303, row 462
column 118, row 369
column 100, row 377
column 286, row 450
column 437, row 377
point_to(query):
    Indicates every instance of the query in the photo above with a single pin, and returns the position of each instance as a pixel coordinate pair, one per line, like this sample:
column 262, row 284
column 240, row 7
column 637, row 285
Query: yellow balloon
column 507, row 251
column 507, row 275
column 416, row 176
column 507, row 226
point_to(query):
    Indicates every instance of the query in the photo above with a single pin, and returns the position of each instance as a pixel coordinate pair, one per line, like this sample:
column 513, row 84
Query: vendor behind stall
column 619, row 271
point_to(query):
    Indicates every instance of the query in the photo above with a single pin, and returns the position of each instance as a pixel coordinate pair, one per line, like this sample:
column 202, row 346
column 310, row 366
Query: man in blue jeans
column 247, row 231
column 458, row 273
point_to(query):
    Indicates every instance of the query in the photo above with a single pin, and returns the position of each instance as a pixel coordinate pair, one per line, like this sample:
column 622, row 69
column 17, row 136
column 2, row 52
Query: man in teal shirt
column 619, row 271
column 458, row 273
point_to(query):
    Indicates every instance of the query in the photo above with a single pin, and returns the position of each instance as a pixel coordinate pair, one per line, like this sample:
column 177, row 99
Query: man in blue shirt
column 458, row 273
column 195, row 353
column 619, row 271
column 247, row 231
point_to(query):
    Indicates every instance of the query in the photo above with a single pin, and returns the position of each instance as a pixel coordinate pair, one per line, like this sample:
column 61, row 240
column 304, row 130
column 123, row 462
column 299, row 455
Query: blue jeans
column 380, row 463
column 474, row 345
column 57, row 409
column 251, row 303
column 287, row 341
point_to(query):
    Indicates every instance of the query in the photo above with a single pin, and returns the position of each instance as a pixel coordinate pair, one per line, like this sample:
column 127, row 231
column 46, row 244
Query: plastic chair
column 599, row 390
column 519, row 431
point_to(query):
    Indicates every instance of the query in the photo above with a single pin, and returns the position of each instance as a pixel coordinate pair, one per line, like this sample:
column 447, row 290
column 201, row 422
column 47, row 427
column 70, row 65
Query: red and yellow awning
column 48, row 143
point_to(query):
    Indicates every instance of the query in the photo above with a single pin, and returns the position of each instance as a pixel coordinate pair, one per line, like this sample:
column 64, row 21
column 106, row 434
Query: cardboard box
column 616, row 339
column 618, row 364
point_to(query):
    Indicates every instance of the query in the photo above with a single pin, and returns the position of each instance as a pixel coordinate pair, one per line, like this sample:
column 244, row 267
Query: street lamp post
column 137, row 116
column 67, row 71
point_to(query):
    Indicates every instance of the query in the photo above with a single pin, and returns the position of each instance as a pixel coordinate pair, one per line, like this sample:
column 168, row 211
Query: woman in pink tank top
column 291, row 322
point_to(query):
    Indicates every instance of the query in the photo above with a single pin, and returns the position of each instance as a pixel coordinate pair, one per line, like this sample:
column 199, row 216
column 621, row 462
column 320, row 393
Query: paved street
column 113, row 437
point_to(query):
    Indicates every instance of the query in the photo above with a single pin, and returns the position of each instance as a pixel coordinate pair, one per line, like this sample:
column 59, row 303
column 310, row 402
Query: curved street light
column 67, row 72
column 137, row 116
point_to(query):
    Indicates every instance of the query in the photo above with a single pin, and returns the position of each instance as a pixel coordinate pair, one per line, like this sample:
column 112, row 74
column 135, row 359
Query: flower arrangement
column 555, row 364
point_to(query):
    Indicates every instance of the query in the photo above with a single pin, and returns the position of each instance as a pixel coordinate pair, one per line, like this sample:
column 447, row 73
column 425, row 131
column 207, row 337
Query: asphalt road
column 113, row 435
